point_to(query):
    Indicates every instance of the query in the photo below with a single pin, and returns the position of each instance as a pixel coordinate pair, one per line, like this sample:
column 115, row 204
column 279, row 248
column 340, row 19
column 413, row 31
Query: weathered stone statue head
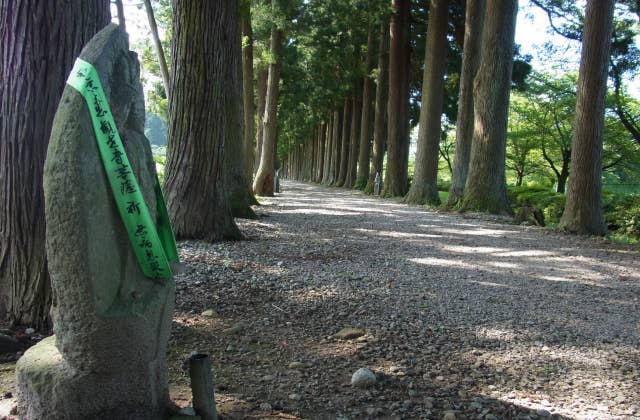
column 111, row 322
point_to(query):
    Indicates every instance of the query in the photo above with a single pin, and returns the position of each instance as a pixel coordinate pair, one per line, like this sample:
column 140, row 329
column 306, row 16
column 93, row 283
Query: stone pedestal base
column 49, row 389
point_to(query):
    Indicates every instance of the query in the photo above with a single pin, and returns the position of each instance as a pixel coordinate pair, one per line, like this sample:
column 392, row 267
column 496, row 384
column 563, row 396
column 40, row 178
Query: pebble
column 210, row 313
column 349, row 333
column 295, row 397
column 363, row 378
column 236, row 329
column 266, row 407
column 449, row 415
column 297, row 365
column 29, row 331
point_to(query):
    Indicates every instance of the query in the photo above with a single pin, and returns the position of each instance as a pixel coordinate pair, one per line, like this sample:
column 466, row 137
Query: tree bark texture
column 205, row 118
column 237, row 154
column 380, row 120
column 336, row 143
column 365, row 122
column 424, row 188
column 121, row 18
column 263, row 182
column 486, row 188
column 583, row 209
column 474, row 18
column 162, row 61
column 326, row 169
column 396, row 177
column 247, row 96
column 263, row 76
column 321, row 152
column 344, row 143
column 354, row 142
column 39, row 42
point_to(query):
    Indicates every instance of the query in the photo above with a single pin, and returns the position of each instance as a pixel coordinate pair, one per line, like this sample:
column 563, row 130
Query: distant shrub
column 622, row 213
column 549, row 202
column 444, row 185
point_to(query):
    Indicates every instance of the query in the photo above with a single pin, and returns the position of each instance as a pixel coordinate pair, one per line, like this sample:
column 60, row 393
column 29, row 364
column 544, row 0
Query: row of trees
column 485, row 77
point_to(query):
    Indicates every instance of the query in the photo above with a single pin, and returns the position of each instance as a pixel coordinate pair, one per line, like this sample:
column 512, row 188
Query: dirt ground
column 459, row 316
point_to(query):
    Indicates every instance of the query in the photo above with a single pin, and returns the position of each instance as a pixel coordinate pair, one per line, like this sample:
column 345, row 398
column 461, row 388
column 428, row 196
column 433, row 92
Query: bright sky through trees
column 533, row 33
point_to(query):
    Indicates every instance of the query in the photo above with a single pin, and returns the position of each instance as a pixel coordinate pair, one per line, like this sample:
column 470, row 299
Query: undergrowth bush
column 622, row 211
column 549, row 202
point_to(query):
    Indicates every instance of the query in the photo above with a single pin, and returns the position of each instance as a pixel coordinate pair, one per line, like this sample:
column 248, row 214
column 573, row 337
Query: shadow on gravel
column 460, row 316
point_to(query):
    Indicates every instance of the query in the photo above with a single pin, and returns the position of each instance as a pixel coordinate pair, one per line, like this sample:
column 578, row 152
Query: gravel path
column 458, row 316
column 461, row 316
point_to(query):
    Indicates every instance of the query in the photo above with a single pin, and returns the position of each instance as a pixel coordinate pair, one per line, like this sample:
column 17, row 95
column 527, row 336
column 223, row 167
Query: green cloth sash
column 154, row 248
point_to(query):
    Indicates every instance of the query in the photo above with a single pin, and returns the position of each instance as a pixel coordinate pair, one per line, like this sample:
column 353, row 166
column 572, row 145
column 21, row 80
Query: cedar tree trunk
column 39, row 42
column 380, row 121
column 263, row 182
column 424, row 188
column 263, row 75
column 486, row 188
column 464, row 122
column 396, row 177
column 583, row 209
column 204, row 118
column 344, row 145
column 354, row 142
column 162, row 61
column 365, row 122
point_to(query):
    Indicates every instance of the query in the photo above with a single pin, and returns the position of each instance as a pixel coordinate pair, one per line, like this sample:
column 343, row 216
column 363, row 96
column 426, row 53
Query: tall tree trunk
column 354, row 141
column 322, row 138
column 396, row 177
column 247, row 94
column 336, row 146
column 583, row 209
column 205, row 118
column 121, row 19
column 365, row 121
column 380, row 121
column 562, row 178
column 486, row 188
column 344, row 144
column 238, row 153
column 464, row 122
column 263, row 182
column 326, row 170
column 39, row 42
column 263, row 75
column 424, row 189
column 162, row 61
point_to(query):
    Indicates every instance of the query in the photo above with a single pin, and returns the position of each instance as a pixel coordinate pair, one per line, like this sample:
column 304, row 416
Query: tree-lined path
column 474, row 317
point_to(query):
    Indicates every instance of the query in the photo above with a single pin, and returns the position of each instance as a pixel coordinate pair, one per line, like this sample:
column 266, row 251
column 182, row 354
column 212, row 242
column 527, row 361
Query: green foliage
column 623, row 215
column 621, row 209
column 550, row 203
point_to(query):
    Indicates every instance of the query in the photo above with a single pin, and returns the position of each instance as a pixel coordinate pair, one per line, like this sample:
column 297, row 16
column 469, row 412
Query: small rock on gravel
column 236, row 329
column 266, row 407
column 449, row 415
column 297, row 365
column 210, row 313
column 363, row 378
column 349, row 333
column 295, row 397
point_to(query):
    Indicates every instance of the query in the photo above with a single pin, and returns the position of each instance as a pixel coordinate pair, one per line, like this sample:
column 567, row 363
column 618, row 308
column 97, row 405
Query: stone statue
column 111, row 322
